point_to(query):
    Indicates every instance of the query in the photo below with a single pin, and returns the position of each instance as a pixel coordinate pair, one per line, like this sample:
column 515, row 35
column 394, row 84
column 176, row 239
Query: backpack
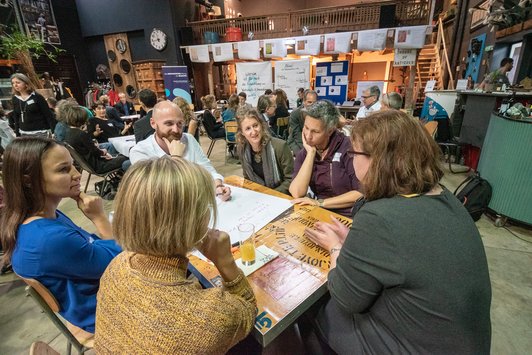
column 475, row 195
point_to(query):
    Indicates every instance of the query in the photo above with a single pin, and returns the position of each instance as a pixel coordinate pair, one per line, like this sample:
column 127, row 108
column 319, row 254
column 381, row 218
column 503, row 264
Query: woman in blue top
column 40, row 241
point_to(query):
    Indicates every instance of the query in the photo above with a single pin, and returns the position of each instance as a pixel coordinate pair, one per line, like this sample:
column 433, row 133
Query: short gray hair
column 392, row 100
column 309, row 92
column 375, row 91
column 326, row 112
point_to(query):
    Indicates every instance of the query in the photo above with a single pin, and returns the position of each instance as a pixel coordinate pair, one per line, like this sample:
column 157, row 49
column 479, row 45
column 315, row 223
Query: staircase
column 433, row 64
column 428, row 68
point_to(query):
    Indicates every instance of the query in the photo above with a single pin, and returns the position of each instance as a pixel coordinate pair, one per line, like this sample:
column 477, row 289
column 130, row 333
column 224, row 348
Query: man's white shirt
column 149, row 148
column 363, row 112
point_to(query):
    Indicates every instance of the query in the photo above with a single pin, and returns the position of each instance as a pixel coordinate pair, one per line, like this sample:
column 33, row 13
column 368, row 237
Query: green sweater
column 412, row 277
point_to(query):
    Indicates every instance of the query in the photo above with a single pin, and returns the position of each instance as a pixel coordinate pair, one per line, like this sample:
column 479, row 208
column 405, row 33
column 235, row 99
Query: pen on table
column 130, row 140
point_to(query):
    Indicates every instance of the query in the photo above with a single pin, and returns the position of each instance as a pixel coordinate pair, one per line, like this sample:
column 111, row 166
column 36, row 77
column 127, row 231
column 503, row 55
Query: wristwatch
column 320, row 202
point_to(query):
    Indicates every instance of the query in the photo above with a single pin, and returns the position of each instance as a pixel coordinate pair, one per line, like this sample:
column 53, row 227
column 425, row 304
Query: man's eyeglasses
column 352, row 153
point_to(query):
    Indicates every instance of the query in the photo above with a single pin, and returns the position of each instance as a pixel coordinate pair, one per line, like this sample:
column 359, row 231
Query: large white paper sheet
column 372, row 40
column 249, row 50
column 410, row 37
column 274, row 48
column 253, row 79
column 248, row 206
column 199, row 54
column 337, row 42
column 308, row 45
column 291, row 75
column 222, row 52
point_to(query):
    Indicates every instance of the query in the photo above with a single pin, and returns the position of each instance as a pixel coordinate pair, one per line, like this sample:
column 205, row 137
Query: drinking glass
column 246, row 240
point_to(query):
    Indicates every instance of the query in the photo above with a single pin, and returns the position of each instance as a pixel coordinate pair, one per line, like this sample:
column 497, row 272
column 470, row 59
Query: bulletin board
column 332, row 80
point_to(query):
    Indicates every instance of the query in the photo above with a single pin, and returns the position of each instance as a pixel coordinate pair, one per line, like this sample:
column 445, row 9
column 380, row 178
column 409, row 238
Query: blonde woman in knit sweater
column 145, row 303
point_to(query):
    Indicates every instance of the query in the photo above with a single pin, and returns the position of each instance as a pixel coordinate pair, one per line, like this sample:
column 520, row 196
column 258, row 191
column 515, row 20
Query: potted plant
column 17, row 45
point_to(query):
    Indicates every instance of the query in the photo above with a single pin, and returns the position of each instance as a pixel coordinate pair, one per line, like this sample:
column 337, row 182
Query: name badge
column 110, row 125
column 337, row 156
column 29, row 102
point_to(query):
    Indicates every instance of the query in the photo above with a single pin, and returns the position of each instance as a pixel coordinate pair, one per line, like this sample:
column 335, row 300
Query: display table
column 506, row 162
column 290, row 284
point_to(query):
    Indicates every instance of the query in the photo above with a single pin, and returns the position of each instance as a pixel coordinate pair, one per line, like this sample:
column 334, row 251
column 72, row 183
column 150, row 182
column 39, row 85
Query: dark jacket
column 214, row 129
column 334, row 175
column 33, row 114
column 296, row 124
column 108, row 127
column 120, row 107
column 143, row 128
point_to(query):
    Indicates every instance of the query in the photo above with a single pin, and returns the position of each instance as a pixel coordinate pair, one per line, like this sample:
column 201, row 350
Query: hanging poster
column 199, row 54
column 176, row 82
column 222, row 52
column 249, row 50
column 274, row 48
column 253, row 79
column 474, row 57
column 372, row 40
column 291, row 75
column 308, row 45
column 337, row 42
column 39, row 20
column 331, row 84
column 410, row 37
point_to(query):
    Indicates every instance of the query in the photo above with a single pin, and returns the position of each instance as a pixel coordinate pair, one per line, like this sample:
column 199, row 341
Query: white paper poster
column 199, row 54
column 337, row 42
column 341, row 80
column 461, row 84
column 334, row 90
column 410, row 37
column 291, row 75
column 404, row 57
column 326, row 80
column 246, row 206
column 249, row 50
column 372, row 40
column 274, row 48
column 222, row 52
column 253, row 79
column 430, row 85
column 308, row 45
column 364, row 85
column 321, row 91
column 321, row 71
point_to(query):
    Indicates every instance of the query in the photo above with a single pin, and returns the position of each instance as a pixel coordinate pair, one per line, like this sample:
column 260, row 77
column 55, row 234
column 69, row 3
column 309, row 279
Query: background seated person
column 124, row 107
column 370, row 102
column 265, row 160
column 40, row 241
column 281, row 108
column 191, row 122
column 161, row 311
column 213, row 125
column 297, row 120
column 242, row 97
column 101, row 128
column 142, row 127
column 324, row 165
column 400, row 283
column 98, row 159
column 169, row 139
column 391, row 100
column 111, row 113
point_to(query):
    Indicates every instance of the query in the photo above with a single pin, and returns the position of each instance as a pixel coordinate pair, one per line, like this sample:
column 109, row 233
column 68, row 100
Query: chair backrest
column 432, row 127
column 78, row 158
column 283, row 121
column 44, row 293
column 231, row 128
column 41, row 348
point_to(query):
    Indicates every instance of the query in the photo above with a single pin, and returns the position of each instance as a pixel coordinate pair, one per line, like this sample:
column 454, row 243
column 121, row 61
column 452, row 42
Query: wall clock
column 158, row 39
column 121, row 45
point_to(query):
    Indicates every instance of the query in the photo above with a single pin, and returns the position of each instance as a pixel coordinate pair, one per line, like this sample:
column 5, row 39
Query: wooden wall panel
column 119, row 66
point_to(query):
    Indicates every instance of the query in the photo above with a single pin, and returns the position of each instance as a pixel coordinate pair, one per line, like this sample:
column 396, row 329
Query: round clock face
column 121, row 45
column 158, row 39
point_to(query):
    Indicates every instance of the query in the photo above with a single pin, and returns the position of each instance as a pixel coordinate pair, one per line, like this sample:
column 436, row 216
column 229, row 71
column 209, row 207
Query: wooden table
column 123, row 144
column 288, row 285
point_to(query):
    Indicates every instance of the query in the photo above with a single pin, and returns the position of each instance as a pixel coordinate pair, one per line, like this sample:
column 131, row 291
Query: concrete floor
column 509, row 252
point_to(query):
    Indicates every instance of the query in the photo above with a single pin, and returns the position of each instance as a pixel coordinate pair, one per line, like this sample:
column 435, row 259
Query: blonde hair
column 163, row 207
column 209, row 102
column 254, row 115
column 185, row 108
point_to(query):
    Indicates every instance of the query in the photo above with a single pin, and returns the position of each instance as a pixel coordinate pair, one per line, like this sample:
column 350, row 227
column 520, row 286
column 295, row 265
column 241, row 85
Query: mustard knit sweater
column 147, row 306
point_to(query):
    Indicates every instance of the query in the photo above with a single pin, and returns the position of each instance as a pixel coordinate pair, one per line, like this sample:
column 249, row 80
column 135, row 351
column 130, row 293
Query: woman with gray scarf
column 266, row 160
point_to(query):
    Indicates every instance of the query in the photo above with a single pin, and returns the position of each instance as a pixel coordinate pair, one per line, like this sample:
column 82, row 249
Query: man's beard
column 170, row 136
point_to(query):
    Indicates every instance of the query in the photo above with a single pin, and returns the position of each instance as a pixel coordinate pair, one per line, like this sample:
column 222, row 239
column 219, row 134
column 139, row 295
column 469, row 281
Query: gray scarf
column 269, row 166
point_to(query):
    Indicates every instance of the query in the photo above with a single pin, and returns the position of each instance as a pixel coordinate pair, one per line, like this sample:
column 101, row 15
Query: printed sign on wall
column 331, row 81
column 176, row 82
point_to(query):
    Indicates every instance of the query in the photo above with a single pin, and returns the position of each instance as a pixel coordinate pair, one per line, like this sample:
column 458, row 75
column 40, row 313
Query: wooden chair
column 77, row 337
column 41, row 348
column 431, row 127
column 84, row 166
column 282, row 127
column 231, row 128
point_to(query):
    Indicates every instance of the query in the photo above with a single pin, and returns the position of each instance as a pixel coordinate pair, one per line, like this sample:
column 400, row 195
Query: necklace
column 257, row 157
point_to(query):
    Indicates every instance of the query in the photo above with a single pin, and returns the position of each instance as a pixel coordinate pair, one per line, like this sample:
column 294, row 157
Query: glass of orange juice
column 246, row 240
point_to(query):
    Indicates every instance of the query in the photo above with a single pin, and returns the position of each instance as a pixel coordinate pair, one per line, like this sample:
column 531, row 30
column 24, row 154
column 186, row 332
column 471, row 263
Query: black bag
column 475, row 195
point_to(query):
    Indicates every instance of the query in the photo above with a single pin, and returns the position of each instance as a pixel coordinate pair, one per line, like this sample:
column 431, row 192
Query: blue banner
column 176, row 82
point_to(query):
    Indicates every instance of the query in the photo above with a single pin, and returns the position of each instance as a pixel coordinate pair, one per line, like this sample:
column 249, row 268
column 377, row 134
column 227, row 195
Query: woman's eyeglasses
column 352, row 153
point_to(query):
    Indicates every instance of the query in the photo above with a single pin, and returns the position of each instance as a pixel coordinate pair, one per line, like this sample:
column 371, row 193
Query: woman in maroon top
column 325, row 165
